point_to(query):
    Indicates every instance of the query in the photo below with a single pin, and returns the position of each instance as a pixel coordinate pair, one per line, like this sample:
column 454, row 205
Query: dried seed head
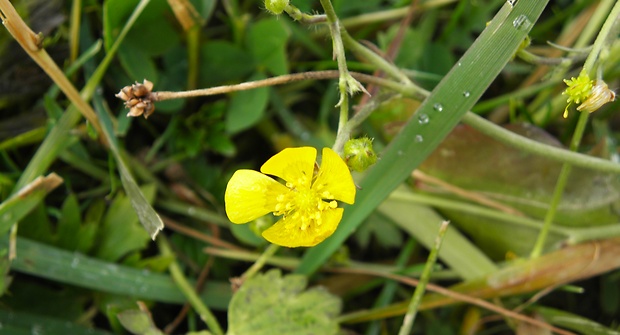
column 138, row 98
column 600, row 95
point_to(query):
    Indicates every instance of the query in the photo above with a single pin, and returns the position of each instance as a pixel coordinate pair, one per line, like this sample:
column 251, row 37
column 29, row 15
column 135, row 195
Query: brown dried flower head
column 600, row 95
column 138, row 98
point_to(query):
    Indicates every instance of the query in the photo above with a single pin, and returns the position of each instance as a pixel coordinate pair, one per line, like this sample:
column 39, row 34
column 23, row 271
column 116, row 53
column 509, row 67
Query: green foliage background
column 83, row 259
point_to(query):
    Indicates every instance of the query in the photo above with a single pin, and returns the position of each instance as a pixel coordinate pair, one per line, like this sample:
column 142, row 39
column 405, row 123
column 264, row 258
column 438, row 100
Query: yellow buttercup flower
column 307, row 201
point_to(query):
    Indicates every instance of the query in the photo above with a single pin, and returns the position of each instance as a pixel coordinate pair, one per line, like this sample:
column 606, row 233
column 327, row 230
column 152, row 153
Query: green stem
column 421, row 287
column 559, row 188
column 189, row 292
column 74, row 30
column 300, row 16
column 527, row 145
column 344, row 86
column 193, row 56
column 363, row 52
column 260, row 262
column 601, row 39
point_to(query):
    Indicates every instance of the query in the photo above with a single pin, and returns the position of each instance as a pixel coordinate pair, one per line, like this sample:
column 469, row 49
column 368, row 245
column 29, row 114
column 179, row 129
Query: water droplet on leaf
column 419, row 139
column 466, row 94
column 438, row 107
column 521, row 22
column 423, row 119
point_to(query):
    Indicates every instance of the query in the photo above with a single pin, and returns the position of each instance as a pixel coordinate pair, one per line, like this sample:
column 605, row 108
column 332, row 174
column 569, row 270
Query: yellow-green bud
column 358, row 154
column 276, row 6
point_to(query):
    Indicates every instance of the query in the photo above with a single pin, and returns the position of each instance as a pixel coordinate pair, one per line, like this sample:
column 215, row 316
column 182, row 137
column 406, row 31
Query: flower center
column 303, row 207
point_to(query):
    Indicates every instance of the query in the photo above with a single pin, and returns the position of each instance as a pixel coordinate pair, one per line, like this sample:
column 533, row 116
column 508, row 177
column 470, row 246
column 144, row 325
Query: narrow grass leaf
column 151, row 222
column 73, row 268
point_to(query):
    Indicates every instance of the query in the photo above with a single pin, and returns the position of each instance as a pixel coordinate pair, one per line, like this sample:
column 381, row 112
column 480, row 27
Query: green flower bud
column 358, row 154
column 276, row 6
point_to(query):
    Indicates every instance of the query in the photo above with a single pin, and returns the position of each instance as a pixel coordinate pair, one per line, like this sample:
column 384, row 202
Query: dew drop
column 459, row 63
column 438, row 107
column 512, row 3
column 522, row 22
column 419, row 139
column 466, row 94
column 423, row 119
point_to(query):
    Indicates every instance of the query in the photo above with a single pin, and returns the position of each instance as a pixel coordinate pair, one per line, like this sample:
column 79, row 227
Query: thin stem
column 260, row 262
column 279, row 80
column 559, row 188
column 300, row 16
column 562, row 155
column 421, row 287
column 535, row 59
column 346, row 84
column 370, row 56
column 187, row 289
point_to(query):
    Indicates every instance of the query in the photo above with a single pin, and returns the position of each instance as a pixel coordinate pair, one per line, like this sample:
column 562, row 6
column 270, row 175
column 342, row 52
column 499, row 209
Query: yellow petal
column 288, row 233
column 294, row 165
column 250, row 195
column 335, row 177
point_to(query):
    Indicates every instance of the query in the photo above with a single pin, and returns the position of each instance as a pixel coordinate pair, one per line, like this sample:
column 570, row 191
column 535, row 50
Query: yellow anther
column 327, row 195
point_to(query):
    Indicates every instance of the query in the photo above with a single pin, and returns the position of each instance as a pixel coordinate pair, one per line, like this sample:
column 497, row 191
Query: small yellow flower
column 578, row 90
column 307, row 201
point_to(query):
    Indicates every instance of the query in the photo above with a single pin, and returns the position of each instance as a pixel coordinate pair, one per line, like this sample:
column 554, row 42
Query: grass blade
column 73, row 268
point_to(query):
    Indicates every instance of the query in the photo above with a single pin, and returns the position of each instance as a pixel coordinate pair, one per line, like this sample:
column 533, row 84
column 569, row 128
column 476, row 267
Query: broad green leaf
column 523, row 181
column 71, row 233
column 138, row 322
column 266, row 41
column 137, row 63
column 222, row 62
column 120, row 232
column 151, row 34
column 455, row 94
column 271, row 304
column 246, row 108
